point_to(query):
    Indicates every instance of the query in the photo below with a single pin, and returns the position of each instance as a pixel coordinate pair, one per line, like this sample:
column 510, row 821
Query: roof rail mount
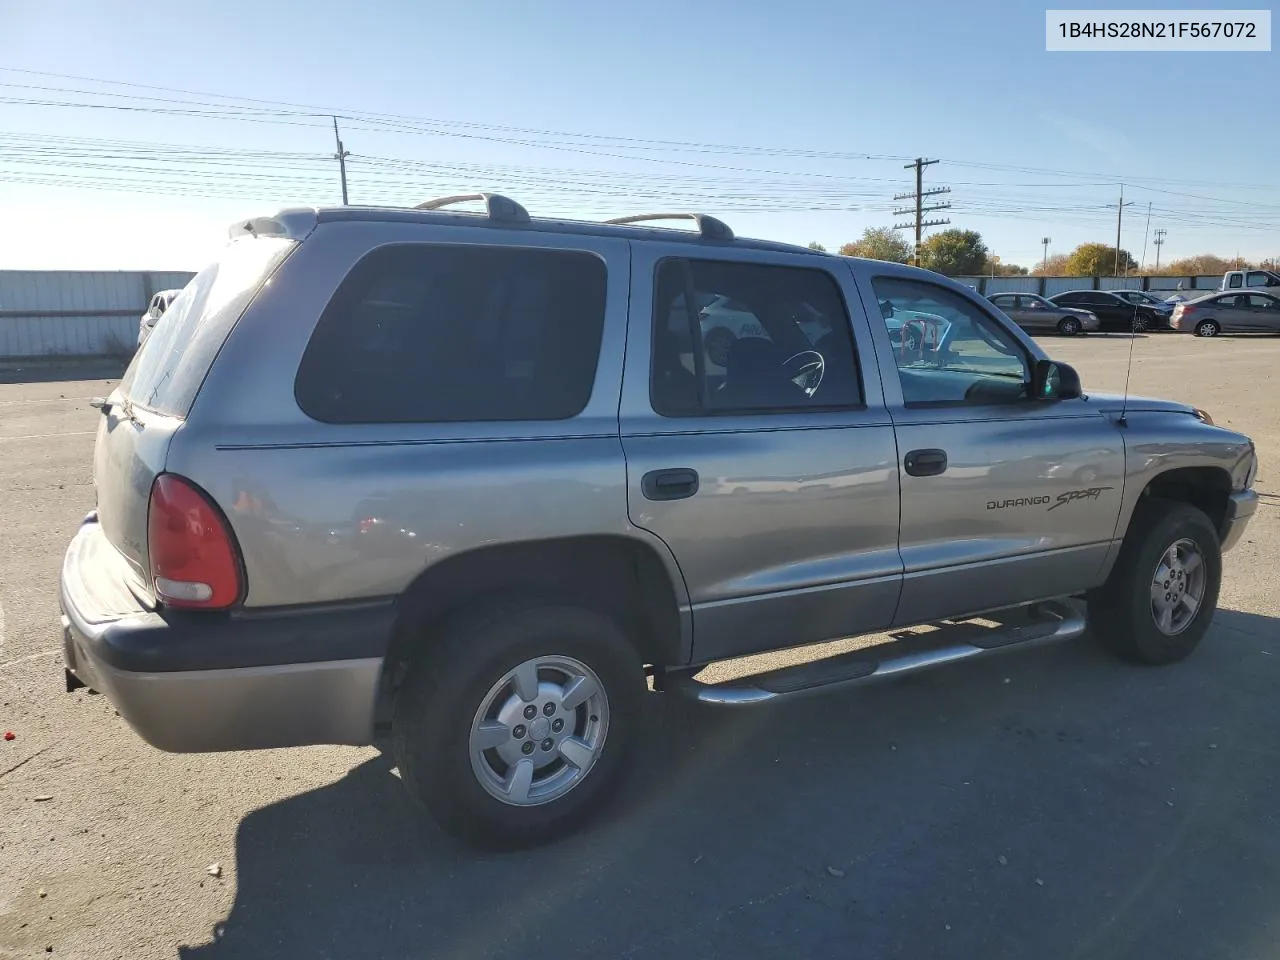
column 708, row 227
column 498, row 208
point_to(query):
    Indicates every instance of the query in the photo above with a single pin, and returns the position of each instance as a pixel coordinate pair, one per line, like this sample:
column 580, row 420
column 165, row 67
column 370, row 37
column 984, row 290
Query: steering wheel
column 805, row 370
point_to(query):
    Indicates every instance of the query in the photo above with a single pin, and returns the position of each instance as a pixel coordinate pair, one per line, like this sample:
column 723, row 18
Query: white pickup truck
column 1239, row 279
column 1231, row 280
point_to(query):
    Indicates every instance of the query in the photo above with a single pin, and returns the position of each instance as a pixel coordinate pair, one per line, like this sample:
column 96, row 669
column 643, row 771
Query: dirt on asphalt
column 1055, row 804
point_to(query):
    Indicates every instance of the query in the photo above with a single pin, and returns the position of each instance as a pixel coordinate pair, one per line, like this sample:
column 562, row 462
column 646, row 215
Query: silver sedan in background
column 1228, row 313
column 1033, row 312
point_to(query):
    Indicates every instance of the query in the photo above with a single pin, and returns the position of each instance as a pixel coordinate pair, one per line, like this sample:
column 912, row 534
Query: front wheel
column 1163, row 589
column 513, row 724
column 1069, row 326
column 1139, row 324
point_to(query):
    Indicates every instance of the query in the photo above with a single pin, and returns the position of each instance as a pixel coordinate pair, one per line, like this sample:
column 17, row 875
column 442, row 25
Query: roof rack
column 708, row 227
column 497, row 207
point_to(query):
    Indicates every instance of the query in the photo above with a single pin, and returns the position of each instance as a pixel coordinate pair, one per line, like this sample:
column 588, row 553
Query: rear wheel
column 513, row 724
column 1163, row 590
column 1207, row 328
column 1069, row 326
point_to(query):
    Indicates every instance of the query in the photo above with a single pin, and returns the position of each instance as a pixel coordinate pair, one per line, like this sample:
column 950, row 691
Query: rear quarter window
column 421, row 333
column 166, row 373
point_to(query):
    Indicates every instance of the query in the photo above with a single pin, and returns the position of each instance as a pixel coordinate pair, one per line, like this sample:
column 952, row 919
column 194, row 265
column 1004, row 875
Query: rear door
column 157, row 390
column 1232, row 313
column 1010, row 305
column 772, row 477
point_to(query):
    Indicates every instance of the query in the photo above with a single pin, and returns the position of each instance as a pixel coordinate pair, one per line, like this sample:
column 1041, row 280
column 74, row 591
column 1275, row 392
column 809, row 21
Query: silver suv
column 472, row 481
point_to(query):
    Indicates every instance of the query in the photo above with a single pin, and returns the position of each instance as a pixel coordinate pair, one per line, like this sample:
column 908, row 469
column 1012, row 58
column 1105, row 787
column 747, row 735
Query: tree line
column 963, row 253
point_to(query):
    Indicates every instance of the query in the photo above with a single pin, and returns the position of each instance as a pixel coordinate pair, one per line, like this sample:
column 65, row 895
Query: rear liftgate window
column 433, row 334
column 167, row 371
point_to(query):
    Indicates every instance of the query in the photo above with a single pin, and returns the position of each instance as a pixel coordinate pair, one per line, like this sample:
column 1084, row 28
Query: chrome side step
column 1042, row 623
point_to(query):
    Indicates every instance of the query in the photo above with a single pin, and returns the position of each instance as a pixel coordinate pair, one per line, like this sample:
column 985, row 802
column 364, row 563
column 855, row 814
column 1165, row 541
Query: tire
column 440, row 711
column 1123, row 612
column 1139, row 324
column 1207, row 328
column 1069, row 326
column 717, row 343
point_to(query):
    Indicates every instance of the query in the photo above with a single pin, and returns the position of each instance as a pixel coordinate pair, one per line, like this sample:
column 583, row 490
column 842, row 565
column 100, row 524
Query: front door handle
column 674, row 484
column 925, row 463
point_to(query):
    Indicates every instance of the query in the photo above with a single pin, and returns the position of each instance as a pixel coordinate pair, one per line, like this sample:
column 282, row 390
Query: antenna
column 1133, row 335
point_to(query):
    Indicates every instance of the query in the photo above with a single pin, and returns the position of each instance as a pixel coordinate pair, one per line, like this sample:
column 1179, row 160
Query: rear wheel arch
column 621, row 577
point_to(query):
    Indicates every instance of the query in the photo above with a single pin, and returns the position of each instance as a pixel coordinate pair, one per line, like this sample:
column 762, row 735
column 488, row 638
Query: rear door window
column 421, row 333
column 771, row 339
column 166, row 373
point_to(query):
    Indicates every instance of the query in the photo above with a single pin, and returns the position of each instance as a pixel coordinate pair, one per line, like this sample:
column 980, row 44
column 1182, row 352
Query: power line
column 317, row 112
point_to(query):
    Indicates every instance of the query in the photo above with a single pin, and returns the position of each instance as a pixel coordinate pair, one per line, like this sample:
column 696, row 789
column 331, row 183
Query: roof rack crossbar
column 497, row 207
column 708, row 227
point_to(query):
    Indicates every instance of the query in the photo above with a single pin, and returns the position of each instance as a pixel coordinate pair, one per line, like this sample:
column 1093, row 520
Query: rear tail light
column 195, row 562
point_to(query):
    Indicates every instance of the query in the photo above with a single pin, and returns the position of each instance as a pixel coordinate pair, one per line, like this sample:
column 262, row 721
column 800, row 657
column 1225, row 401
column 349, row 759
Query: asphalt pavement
column 1051, row 804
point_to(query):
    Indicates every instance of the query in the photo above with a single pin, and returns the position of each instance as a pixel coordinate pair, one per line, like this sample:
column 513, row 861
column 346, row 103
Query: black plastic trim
column 172, row 641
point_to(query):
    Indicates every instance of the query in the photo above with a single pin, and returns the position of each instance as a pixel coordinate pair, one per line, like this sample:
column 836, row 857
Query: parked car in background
column 155, row 310
column 1163, row 308
column 1114, row 312
column 1034, row 312
column 1240, row 279
column 1208, row 316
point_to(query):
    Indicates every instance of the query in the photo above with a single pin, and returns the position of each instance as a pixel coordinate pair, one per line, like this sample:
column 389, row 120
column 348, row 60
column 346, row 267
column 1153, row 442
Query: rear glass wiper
column 106, row 405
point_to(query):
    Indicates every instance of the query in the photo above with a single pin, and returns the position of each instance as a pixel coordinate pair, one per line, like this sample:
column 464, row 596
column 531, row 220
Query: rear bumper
column 207, row 682
column 1240, row 507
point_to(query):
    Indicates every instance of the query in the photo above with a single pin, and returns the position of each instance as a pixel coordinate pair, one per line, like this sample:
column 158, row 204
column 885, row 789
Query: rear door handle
column 925, row 463
column 674, row 484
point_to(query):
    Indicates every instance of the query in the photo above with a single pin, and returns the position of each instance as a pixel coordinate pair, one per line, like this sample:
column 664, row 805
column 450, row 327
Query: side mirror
column 1054, row 381
column 886, row 308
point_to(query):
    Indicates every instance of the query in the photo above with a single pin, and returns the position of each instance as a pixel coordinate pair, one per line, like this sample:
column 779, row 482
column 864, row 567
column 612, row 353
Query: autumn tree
column 994, row 267
column 1202, row 265
column 879, row 243
column 1098, row 260
column 954, row 253
column 1055, row 266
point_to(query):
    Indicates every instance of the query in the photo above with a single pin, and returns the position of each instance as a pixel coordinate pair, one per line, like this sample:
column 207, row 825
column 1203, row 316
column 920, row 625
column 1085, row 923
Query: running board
column 1042, row 623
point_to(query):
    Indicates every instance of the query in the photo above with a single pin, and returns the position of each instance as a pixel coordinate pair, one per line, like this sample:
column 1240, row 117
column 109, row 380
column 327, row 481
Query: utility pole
column 1046, row 241
column 1145, row 234
column 1159, row 242
column 1119, row 216
column 341, row 157
column 920, row 209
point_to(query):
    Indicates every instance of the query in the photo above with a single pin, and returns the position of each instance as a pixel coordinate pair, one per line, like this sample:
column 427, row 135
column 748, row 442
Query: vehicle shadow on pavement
column 1053, row 803
column 17, row 371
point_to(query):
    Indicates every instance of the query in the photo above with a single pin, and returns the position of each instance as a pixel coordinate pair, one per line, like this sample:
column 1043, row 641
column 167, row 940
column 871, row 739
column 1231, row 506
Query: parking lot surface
column 1051, row 804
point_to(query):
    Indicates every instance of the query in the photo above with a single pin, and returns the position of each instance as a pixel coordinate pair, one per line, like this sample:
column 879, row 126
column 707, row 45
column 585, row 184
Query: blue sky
column 1031, row 143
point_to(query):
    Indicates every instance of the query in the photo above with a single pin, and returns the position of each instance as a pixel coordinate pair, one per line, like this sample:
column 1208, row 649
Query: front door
column 1034, row 314
column 1261, row 312
column 766, row 464
column 1006, row 499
